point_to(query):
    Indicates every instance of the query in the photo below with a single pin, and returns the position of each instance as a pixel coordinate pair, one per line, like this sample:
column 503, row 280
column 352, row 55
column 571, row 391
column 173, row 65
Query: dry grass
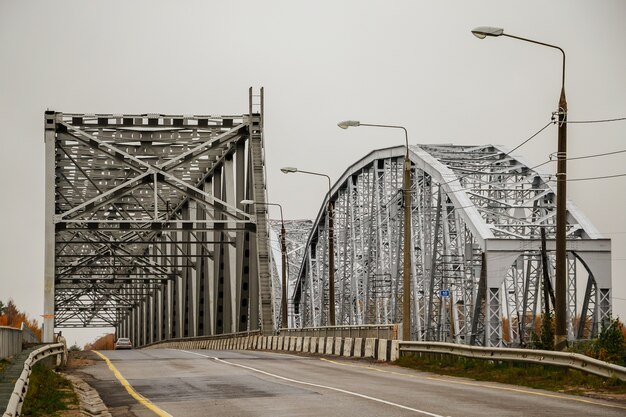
column 48, row 394
column 550, row 378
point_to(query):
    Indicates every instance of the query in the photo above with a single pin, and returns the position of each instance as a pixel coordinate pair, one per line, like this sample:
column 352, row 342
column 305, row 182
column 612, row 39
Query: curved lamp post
column 560, row 307
column 406, row 250
column 331, row 243
column 283, row 251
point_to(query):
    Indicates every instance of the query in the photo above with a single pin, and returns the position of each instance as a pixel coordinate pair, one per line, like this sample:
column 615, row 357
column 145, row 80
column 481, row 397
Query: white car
column 123, row 343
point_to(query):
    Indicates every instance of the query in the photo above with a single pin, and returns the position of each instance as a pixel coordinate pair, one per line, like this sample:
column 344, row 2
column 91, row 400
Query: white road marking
column 356, row 394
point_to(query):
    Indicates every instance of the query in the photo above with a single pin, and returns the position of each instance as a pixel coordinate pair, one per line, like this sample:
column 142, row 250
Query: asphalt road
column 250, row 383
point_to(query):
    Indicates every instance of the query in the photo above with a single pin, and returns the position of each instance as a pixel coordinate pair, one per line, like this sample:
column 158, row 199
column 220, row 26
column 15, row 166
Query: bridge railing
column 544, row 357
column 203, row 338
column 28, row 336
column 14, row 407
column 387, row 349
column 10, row 341
column 377, row 331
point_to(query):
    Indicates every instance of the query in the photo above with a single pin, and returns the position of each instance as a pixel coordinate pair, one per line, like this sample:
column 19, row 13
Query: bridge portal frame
column 144, row 229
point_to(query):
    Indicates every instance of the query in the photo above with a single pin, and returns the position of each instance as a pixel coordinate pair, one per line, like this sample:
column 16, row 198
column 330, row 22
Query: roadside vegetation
column 105, row 342
column 11, row 316
column 48, row 393
column 550, row 378
column 3, row 364
column 610, row 346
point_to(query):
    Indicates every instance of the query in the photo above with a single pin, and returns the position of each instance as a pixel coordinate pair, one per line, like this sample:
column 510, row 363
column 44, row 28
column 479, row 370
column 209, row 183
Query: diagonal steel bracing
column 477, row 274
column 144, row 227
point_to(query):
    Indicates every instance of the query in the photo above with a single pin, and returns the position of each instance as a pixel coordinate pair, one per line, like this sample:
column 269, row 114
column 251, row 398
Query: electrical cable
column 597, row 178
column 617, row 119
column 588, row 156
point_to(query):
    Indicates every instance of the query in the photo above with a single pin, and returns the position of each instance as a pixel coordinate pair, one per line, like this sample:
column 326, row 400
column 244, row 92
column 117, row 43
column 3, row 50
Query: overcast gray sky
column 412, row 63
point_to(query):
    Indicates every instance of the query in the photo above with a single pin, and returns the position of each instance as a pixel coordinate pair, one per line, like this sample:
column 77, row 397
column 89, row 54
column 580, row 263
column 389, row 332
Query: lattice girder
column 466, row 201
column 145, row 231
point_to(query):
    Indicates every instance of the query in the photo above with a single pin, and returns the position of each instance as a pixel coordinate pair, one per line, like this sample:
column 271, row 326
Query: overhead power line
column 588, row 156
column 597, row 178
column 524, row 142
column 617, row 119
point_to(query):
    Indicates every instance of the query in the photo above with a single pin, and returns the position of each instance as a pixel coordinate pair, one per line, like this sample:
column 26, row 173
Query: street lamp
column 406, row 251
column 283, row 251
column 560, row 308
column 331, row 243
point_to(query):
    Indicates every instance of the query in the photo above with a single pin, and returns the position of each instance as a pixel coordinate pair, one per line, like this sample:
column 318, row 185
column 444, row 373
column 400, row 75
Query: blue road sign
column 444, row 293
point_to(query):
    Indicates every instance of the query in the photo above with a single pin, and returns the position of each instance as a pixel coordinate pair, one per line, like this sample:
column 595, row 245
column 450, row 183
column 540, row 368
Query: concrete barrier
column 348, row 347
column 395, row 351
column 376, row 348
column 383, row 350
column 299, row 342
column 359, row 347
column 290, row 342
column 371, row 346
column 338, row 346
column 330, row 345
column 320, row 345
column 314, row 345
column 306, row 343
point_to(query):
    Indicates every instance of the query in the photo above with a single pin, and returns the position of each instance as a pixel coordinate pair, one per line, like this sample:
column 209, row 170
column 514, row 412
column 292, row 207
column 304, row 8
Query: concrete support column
column 48, row 302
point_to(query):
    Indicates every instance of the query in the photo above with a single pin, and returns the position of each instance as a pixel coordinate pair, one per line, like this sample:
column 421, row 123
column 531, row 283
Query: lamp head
column 348, row 123
column 246, row 202
column 482, row 32
column 289, row 170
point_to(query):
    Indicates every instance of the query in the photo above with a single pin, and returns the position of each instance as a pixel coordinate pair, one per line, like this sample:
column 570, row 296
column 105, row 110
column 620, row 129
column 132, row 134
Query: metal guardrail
column 378, row 331
column 14, row 408
column 546, row 357
column 28, row 336
column 10, row 341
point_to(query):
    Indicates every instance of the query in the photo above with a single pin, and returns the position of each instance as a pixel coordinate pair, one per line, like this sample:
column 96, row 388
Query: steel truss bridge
column 145, row 232
column 483, row 229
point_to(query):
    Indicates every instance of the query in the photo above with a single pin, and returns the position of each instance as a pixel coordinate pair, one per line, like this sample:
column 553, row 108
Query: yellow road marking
column 140, row 398
column 455, row 381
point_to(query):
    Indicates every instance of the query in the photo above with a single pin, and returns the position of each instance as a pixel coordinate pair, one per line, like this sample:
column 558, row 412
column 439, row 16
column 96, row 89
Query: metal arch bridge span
column 481, row 271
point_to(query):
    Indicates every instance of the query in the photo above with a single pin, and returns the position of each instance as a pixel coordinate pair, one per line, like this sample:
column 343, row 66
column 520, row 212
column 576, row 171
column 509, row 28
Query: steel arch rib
column 492, row 203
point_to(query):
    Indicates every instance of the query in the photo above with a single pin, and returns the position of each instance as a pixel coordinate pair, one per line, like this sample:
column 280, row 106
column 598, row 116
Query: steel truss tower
column 144, row 227
column 297, row 233
column 481, row 272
